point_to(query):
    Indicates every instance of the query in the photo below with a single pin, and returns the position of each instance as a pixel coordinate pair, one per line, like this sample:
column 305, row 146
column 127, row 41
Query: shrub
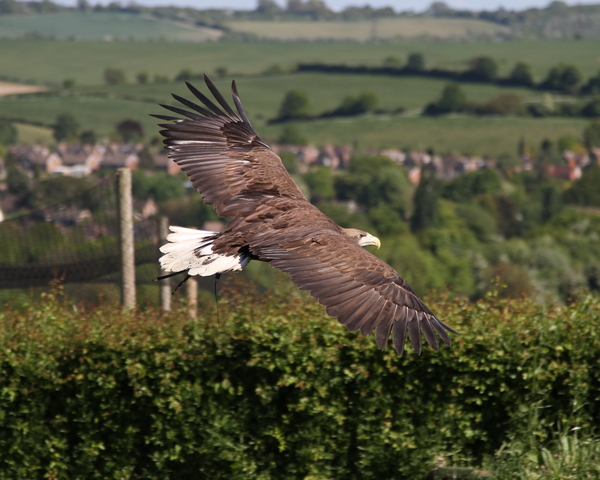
column 114, row 76
column 276, row 390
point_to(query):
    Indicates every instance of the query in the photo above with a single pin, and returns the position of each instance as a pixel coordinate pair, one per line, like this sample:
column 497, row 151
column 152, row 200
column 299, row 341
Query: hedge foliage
column 274, row 389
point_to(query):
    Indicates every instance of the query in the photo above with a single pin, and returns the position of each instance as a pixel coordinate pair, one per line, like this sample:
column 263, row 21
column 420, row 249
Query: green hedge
column 275, row 390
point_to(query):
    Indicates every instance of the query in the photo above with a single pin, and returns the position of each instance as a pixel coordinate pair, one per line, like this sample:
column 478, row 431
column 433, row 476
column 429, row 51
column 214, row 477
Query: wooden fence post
column 126, row 238
column 191, row 290
column 165, row 285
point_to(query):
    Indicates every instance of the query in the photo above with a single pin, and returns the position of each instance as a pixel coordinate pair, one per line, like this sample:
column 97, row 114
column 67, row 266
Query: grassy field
column 484, row 136
column 33, row 134
column 52, row 61
column 101, row 26
column 388, row 28
column 262, row 95
column 101, row 108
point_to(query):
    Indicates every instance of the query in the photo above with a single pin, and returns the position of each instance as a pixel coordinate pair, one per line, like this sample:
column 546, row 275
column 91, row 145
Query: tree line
column 562, row 78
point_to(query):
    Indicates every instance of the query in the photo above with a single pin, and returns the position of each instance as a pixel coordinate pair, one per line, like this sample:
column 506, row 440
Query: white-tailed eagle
column 272, row 221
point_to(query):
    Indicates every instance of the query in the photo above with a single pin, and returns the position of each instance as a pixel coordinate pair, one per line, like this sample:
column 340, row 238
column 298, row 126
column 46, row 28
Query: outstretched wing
column 219, row 150
column 361, row 291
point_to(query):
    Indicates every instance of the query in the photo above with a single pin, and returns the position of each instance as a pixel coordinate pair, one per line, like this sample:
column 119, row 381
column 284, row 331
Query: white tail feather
column 190, row 249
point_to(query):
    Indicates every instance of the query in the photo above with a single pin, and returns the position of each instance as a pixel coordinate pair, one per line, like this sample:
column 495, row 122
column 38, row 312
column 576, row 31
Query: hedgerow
column 271, row 388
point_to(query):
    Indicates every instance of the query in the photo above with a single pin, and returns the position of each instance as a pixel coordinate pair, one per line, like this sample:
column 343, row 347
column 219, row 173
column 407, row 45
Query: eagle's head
column 361, row 238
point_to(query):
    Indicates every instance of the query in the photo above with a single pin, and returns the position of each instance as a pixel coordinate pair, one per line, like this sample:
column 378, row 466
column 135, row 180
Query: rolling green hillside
column 101, row 108
column 53, row 61
column 470, row 135
column 101, row 26
column 387, row 28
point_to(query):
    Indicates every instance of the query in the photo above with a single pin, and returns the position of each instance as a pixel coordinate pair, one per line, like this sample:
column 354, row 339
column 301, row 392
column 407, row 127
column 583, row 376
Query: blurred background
column 466, row 136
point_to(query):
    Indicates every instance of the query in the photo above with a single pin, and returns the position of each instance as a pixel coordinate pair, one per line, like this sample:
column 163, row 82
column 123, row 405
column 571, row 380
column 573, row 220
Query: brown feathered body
column 272, row 221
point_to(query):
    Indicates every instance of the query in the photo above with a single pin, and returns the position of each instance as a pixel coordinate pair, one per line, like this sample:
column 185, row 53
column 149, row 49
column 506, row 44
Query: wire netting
column 76, row 240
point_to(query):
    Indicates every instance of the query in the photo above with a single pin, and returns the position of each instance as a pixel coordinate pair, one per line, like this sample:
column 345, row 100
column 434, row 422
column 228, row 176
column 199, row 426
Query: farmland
column 45, row 61
column 388, row 28
column 101, row 108
column 101, row 26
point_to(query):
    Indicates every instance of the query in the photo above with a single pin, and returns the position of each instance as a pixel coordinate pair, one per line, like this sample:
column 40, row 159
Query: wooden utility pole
column 126, row 238
column 165, row 285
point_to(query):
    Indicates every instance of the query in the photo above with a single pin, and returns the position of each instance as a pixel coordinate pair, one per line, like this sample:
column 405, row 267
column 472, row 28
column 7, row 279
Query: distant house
column 163, row 162
column 145, row 208
column 31, row 157
column 571, row 171
column 119, row 155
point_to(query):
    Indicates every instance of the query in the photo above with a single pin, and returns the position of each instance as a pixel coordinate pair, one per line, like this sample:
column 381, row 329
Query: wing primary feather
column 168, row 118
column 440, row 329
column 414, row 333
column 382, row 332
column 194, row 106
column 238, row 103
column 205, row 100
column 399, row 332
column 427, row 330
column 451, row 330
column 183, row 112
column 219, row 97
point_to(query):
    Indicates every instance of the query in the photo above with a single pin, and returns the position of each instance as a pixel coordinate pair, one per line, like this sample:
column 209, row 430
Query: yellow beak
column 369, row 240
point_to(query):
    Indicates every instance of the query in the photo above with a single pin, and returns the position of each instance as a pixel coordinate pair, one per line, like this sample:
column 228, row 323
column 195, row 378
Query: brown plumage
column 272, row 221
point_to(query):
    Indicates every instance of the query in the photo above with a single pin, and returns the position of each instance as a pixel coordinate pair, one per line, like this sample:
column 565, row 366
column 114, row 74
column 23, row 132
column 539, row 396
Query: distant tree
column 275, row 69
column 521, row 75
column 387, row 221
column 564, row 78
column 313, row 8
column 567, row 142
column 130, row 130
column 83, row 5
column 320, row 183
column 114, row 76
column 267, row 7
column 439, row 9
column 592, row 86
column 290, row 135
column 160, row 78
column 17, row 181
column 11, row 7
column 591, row 136
column 552, row 202
column 391, row 61
column 504, row 104
column 453, row 99
column 290, row 162
column 483, row 69
column 88, row 137
column 160, row 186
column 8, row 132
column 374, row 181
column 365, row 102
column 147, row 161
column 416, row 62
column 585, row 191
column 221, row 72
column 142, row 78
column 68, row 83
column 592, row 108
column 295, row 104
column 66, row 127
column 426, row 202
column 185, row 75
